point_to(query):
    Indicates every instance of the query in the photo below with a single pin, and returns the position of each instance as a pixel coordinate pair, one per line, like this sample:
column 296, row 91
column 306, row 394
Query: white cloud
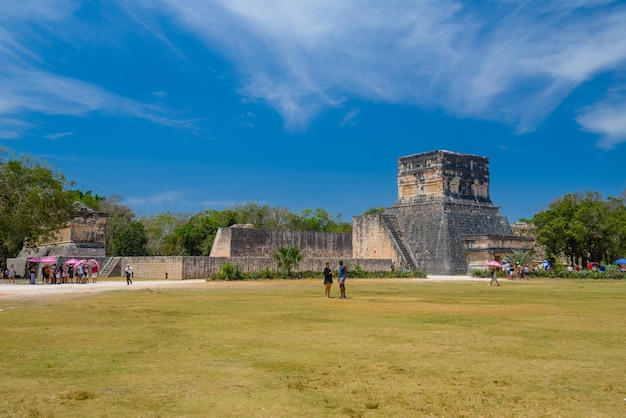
column 512, row 61
column 28, row 85
column 607, row 119
column 54, row 137
column 155, row 199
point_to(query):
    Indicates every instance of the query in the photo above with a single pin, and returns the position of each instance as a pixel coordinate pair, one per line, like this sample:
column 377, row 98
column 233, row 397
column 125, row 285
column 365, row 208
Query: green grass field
column 278, row 348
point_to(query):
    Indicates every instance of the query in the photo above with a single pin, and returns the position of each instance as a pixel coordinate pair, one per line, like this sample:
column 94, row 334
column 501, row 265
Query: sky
column 189, row 105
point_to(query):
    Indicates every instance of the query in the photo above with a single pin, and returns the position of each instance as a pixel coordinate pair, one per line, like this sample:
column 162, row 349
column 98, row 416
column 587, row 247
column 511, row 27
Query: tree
column 88, row 198
column 34, row 203
column 521, row 257
column 374, row 211
column 583, row 227
column 161, row 233
column 288, row 258
column 130, row 240
column 198, row 233
column 124, row 236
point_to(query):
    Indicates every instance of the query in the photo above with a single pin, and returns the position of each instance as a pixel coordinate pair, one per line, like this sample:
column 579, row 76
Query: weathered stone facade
column 247, row 242
column 443, row 202
column 178, row 268
column 82, row 238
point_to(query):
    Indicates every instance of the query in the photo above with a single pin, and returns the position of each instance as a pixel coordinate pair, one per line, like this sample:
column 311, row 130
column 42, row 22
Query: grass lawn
column 278, row 348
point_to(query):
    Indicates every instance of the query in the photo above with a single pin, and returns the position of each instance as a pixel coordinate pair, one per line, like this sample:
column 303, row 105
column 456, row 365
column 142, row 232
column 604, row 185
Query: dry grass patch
column 279, row 348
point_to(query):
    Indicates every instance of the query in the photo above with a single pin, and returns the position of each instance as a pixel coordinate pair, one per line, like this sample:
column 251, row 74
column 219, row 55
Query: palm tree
column 288, row 258
column 520, row 256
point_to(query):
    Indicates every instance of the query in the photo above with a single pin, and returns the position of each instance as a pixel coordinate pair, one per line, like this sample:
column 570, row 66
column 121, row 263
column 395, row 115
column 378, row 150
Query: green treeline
column 583, row 227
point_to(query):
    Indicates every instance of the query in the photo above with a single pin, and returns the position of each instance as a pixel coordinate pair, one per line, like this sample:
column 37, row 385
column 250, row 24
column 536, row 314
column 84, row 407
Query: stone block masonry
column 443, row 201
column 248, row 242
column 178, row 268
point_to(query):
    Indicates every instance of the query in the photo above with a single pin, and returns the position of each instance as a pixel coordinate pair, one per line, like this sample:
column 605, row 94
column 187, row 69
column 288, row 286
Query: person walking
column 129, row 272
column 328, row 279
column 494, row 277
column 343, row 273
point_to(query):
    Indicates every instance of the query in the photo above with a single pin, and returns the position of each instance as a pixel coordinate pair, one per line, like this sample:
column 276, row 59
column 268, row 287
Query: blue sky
column 189, row 105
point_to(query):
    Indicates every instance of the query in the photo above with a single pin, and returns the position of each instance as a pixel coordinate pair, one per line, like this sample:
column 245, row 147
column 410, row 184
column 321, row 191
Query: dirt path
column 23, row 290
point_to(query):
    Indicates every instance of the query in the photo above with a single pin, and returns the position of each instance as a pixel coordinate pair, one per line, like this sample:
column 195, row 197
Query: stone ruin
column 82, row 238
column 443, row 220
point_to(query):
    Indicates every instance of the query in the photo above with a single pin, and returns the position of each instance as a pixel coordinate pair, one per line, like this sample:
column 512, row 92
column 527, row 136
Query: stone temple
column 443, row 220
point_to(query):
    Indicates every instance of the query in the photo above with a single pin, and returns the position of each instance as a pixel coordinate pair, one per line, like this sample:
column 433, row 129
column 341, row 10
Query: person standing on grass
column 11, row 274
column 328, row 279
column 129, row 272
column 494, row 277
column 343, row 273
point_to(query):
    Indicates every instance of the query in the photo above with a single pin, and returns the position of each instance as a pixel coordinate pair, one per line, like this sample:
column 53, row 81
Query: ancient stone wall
column 443, row 173
column 481, row 249
column 178, row 268
column 246, row 242
column 371, row 239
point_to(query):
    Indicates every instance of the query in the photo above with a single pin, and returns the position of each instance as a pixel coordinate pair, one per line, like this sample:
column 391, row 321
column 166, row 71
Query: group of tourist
column 66, row 273
column 517, row 271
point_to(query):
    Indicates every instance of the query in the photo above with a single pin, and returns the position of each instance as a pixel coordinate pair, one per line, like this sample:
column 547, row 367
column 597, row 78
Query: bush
column 229, row 271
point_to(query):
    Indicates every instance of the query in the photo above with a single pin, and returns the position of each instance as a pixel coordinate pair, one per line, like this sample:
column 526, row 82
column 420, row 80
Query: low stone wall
column 179, row 268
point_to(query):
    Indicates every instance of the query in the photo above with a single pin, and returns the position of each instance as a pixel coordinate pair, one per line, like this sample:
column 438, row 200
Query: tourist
column 94, row 274
column 66, row 274
column 57, row 274
column 33, row 275
column 343, row 273
column 45, row 274
column 494, row 277
column 328, row 279
column 11, row 274
column 79, row 273
column 129, row 272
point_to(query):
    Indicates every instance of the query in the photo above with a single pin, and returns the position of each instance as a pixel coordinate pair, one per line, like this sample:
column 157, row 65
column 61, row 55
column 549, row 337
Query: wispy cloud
column 607, row 119
column 155, row 199
column 28, row 84
column 512, row 61
column 54, row 137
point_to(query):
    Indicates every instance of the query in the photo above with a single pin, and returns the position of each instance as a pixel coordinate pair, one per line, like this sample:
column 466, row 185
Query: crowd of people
column 53, row 273
column 67, row 273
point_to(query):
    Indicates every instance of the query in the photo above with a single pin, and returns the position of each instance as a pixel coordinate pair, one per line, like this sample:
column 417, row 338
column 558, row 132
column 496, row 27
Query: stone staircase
column 110, row 266
column 391, row 222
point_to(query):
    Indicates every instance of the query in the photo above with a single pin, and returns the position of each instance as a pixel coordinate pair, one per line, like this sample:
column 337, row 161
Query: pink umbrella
column 49, row 260
column 34, row 260
column 71, row 261
column 494, row 264
column 93, row 262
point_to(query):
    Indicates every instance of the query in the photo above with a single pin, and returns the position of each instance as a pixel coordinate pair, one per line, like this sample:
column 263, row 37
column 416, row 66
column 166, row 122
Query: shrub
column 229, row 271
